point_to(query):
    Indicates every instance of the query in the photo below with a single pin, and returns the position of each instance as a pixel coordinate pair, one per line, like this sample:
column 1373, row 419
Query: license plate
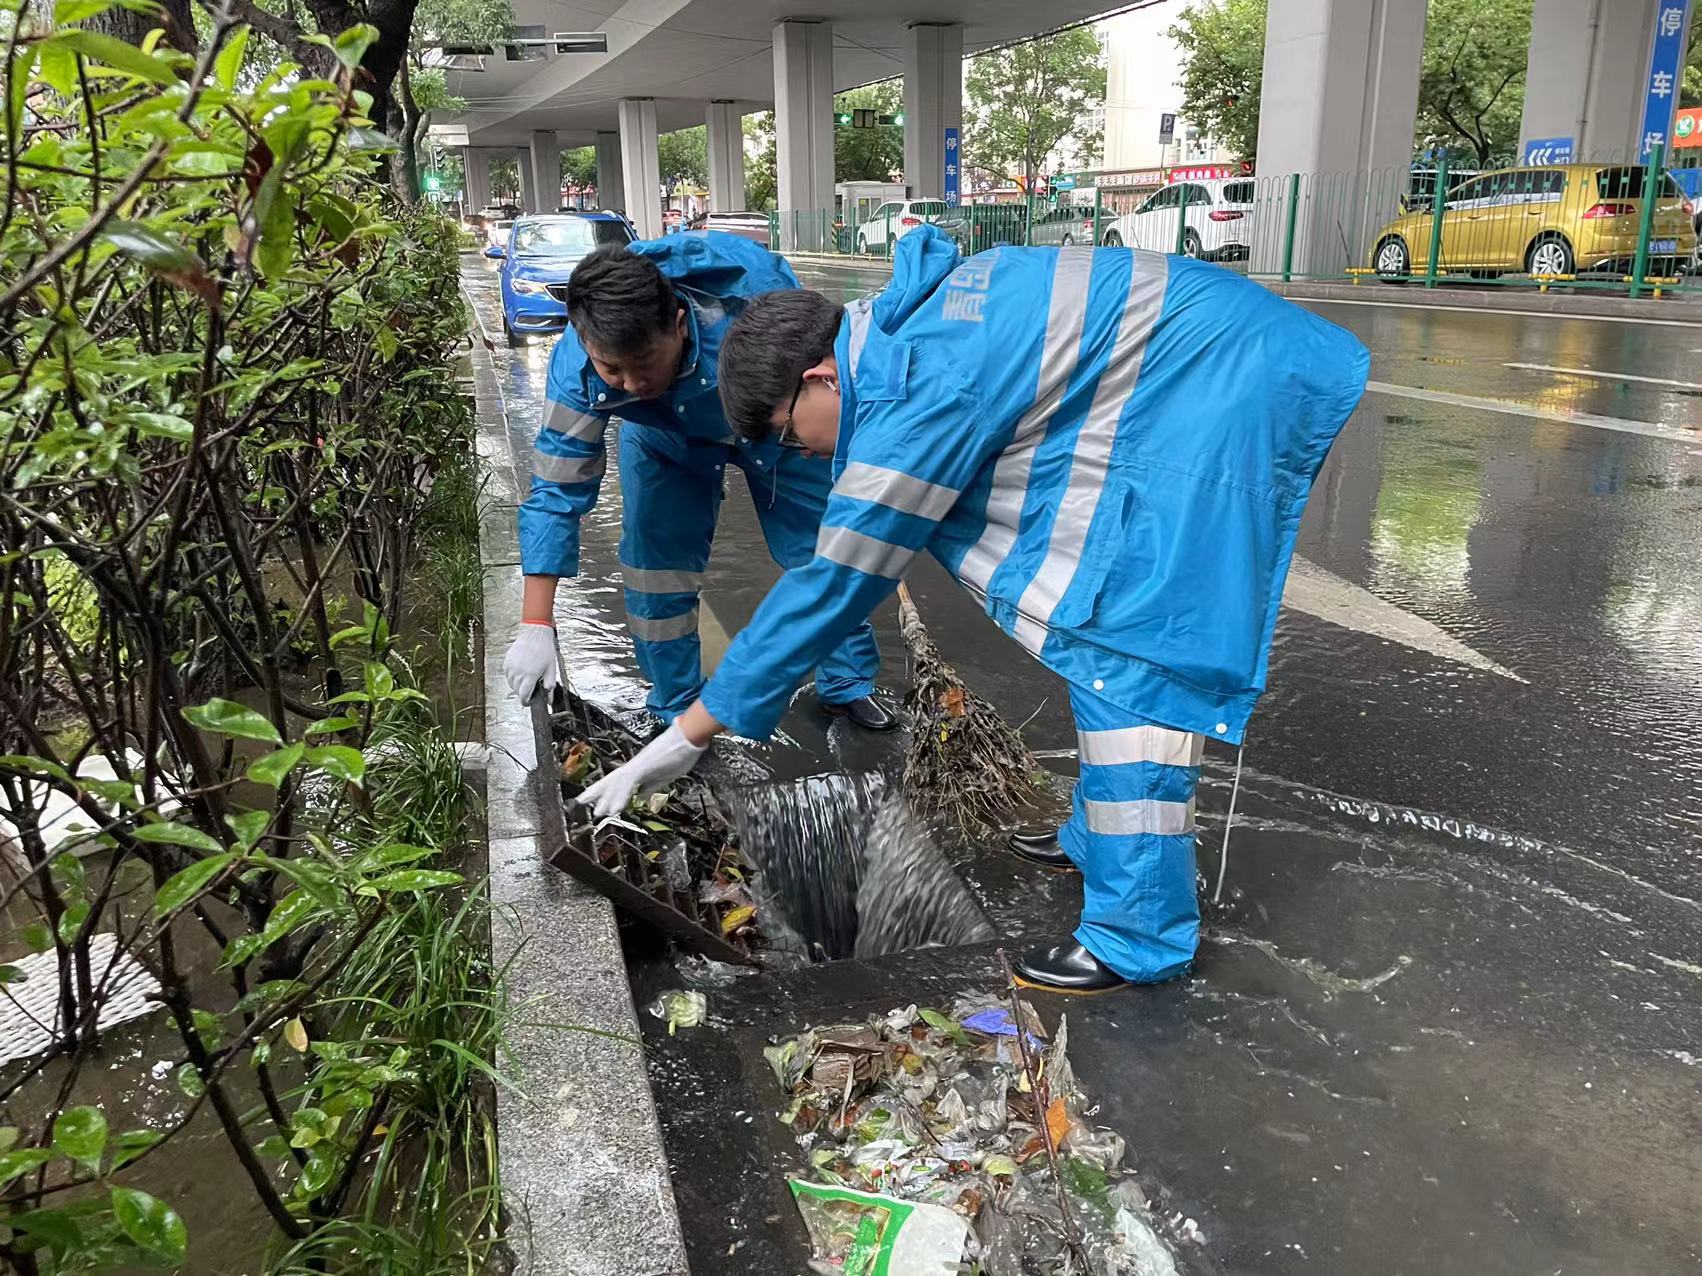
column 1663, row 245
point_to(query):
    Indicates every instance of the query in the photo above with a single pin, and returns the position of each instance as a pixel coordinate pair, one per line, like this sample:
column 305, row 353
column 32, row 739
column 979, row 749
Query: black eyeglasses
column 786, row 438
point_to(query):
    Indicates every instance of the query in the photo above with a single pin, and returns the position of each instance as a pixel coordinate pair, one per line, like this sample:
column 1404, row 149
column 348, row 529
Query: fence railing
column 1615, row 224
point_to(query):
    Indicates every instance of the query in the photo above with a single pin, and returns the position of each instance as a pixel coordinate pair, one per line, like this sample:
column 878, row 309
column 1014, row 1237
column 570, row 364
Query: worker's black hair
column 619, row 302
column 779, row 337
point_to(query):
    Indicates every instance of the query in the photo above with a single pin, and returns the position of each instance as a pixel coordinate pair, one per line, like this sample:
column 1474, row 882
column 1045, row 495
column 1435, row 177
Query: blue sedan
column 541, row 253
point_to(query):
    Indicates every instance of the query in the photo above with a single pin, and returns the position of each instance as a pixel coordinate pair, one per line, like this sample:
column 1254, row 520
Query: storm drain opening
column 843, row 869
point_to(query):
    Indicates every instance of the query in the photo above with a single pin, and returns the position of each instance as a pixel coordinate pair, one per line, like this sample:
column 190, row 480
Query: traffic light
column 863, row 117
column 894, row 119
column 843, row 119
column 432, row 182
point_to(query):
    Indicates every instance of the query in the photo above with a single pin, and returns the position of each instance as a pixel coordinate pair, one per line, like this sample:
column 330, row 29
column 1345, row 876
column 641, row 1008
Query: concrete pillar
column 803, row 133
column 611, row 186
column 726, row 128
column 528, row 189
column 641, row 166
column 1341, row 113
column 476, row 160
column 1588, row 75
column 933, row 103
column 545, row 154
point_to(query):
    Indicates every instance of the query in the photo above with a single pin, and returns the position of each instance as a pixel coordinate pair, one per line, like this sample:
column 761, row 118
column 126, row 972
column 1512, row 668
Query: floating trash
column 975, row 1113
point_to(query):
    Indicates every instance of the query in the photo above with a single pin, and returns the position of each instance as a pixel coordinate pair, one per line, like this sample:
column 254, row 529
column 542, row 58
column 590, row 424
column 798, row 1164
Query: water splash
column 844, row 870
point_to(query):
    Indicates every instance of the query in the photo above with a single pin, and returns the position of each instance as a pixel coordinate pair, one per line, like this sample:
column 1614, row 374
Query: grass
column 426, row 1200
column 448, row 534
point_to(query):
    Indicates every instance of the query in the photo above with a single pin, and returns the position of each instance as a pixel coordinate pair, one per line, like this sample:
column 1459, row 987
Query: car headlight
column 531, row 287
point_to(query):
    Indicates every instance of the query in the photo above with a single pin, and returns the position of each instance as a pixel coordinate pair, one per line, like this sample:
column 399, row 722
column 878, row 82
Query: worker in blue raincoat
column 1112, row 449
column 647, row 321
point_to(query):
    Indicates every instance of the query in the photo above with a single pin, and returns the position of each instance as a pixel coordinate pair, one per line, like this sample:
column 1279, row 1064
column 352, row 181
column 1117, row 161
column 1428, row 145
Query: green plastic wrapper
column 865, row 1234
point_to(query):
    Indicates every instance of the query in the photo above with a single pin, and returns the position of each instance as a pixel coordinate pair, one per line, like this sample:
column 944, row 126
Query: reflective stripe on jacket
column 714, row 274
column 1111, row 448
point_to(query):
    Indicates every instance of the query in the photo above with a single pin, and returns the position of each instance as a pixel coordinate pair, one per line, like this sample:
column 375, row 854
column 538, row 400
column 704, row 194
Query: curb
column 1497, row 300
column 585, row 1180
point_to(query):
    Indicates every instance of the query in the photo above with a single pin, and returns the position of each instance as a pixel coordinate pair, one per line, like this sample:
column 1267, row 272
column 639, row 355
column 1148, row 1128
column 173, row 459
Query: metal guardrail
column 1617, row 224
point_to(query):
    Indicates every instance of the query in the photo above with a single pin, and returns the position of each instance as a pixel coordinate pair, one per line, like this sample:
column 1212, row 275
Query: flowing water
column 850, row 871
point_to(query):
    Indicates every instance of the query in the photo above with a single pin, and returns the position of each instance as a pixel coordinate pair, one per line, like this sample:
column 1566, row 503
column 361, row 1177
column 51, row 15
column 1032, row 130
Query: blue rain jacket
column 713, row 273
column 1111, row 448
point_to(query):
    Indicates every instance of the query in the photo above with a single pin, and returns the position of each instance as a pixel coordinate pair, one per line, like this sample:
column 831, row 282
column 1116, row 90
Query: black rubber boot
column 868, row 713
column 1039, row 845
column 1067, row 968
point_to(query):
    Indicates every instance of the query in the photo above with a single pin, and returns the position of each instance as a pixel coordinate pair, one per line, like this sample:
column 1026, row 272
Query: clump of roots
column 965, row 762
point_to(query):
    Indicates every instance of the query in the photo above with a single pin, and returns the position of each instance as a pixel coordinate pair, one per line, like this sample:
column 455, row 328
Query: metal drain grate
column 29, row 1008
column 631, row 869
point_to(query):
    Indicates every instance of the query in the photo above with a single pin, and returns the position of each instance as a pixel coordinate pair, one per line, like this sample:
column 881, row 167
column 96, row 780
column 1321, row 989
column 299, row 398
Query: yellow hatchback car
column 1562, row 219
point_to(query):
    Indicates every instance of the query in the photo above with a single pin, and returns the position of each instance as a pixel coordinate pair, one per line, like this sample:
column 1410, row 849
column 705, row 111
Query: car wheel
column 1551, row 256
column 514, row 338
column 1113, row 239
column 1069, row 241
column 1190, row 244
column 1392, row 260
column 862, row 245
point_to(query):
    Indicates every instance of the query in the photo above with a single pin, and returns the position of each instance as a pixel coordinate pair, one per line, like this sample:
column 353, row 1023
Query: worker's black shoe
column 866, row 712
column 1065, row 967
column 1038, row 844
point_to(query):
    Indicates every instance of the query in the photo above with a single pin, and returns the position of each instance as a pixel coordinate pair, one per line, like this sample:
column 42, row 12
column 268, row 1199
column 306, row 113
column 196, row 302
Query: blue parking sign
column 1548, row 150
column 1666, row 73
column 951, row 186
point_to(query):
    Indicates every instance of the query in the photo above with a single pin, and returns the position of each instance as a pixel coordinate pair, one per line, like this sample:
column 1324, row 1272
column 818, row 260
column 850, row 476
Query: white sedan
column 1219, row 219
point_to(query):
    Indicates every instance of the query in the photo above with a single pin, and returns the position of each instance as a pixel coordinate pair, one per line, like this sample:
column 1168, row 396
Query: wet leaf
column 656, row 801
column 737, row 917
column 249, row 826
column 317, row 1174
column 184, row 885
column 577, row 762
column 12, row 975
column 131, row 1144
column 410, row 879
column 329, row 726
column 189, row 1081
column 226, row 717
column 338, row 760
column 271, row 769
column 171, row 833
column 951, row 702
column 295, row 1032
column 80, row 1133
column 1057, row 1121
column 37, row 937
column 942, row 1023
column 22, row 1161
column 173, row 261
column 8, row 1137
column 151, row 1224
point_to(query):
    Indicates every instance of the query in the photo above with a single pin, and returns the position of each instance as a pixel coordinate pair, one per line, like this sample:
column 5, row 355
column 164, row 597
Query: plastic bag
column 860, row 1233
column 680, row 1009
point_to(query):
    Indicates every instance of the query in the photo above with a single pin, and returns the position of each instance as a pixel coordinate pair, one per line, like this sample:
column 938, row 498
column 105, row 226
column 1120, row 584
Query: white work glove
column 531, row 660
column 659, row 763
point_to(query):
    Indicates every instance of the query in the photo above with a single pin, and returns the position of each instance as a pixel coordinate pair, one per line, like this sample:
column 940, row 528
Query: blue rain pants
column 671, row 490
column 1132, row 836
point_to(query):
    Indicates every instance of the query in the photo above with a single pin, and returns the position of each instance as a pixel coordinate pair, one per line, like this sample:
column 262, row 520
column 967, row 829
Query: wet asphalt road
column 1451, row 1016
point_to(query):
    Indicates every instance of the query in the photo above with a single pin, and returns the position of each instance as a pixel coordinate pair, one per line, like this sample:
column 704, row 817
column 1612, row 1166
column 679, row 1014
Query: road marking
column 1317, row 592
column 1590, row 419
column 1605, row 376
column 1476, row 310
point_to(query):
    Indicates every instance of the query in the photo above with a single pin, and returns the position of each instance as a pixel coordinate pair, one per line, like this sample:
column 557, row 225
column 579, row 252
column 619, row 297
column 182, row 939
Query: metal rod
column 1438, row 206
column 1288, row 232
column 1654, row 169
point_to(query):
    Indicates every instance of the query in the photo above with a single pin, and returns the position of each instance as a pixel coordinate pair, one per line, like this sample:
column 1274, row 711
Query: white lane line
column 1317, row 592
column 1590, row 419
column 1477, row 310
column 1605, row 376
